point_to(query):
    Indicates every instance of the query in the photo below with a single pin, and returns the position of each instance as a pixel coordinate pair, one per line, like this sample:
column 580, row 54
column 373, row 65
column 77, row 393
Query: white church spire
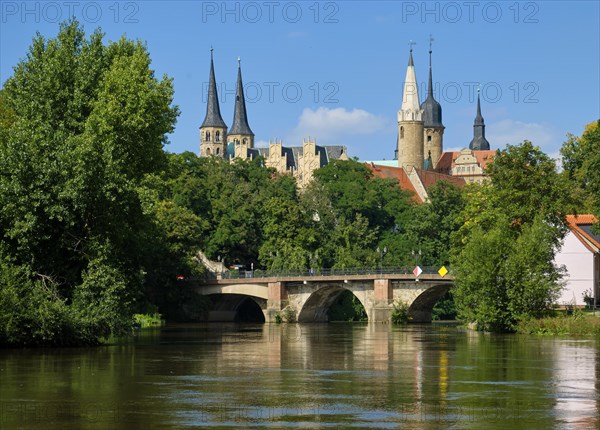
column 411, row 108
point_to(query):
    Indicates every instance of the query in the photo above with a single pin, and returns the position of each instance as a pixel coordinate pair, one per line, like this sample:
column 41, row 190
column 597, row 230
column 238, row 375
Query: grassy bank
column 579, row 323
column 148, row 320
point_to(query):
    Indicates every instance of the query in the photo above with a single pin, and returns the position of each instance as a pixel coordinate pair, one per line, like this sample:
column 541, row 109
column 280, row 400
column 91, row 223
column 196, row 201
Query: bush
column 148, row 320
column 400, row 313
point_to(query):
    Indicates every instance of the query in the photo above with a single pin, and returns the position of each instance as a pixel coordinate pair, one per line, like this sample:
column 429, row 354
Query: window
column 245, row 141
column 428, row 138
column 208, row 151
column 207, row 136
column 218, row 136
column 401, row 132
column 217, row 151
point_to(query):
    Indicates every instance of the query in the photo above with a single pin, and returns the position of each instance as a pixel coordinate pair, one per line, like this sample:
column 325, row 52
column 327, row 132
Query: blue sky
column 334, row 70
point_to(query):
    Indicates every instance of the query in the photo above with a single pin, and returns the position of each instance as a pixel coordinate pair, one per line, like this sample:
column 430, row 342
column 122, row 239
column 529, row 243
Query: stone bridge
column 307, row 298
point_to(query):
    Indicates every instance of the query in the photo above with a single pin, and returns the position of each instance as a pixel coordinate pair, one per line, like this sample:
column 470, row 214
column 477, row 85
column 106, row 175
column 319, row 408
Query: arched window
column 245, row 141
column 217, row 150
column 207, row 136
column 218, row 136
column 401, row 132
column 208, row 151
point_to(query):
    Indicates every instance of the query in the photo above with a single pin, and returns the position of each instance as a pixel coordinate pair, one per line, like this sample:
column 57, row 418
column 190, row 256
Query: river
column 315, row 376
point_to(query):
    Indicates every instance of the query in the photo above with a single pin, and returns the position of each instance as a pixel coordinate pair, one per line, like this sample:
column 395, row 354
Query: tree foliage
column 82, row 123
column 581, row 164
column 504, row 251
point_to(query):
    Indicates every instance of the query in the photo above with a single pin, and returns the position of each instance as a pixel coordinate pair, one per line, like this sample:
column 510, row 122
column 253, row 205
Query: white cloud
column 334, row 124
column 515, row 132
column 261, row 144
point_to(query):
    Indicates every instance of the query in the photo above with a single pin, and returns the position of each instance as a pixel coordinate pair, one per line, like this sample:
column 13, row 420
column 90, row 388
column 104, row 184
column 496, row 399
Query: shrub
column 400, row 313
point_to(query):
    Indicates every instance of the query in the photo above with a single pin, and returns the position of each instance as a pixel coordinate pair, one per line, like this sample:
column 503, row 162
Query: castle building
column 469, row 163
column 420, row 158
column 419, row 147
column 238, row 142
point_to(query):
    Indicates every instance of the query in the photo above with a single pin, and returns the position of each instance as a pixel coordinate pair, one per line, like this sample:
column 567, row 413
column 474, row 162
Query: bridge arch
column 232, row 307
column 316, row 306
column 421, row 307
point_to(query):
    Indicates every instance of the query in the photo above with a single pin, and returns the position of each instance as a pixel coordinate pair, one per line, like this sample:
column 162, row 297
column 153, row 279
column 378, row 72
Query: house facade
column 580, row 255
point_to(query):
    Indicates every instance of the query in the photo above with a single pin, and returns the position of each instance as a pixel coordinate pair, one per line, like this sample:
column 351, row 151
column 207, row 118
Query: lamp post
column 381, row 252
column 313, row 260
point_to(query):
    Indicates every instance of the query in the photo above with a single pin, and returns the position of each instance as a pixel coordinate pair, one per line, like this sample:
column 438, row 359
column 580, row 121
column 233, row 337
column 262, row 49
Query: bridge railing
column 241, row 274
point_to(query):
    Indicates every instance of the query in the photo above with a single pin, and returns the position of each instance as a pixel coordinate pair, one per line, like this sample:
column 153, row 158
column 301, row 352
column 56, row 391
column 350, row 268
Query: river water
column 306, row 376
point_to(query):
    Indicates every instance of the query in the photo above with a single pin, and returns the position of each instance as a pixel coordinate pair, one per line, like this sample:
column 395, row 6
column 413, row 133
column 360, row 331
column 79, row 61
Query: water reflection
column 309, row 376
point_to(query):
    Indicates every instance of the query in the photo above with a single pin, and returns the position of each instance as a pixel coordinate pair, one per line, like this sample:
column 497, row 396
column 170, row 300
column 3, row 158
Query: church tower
column 213, row 131
column 240, row 133
column 410, row 123
column 432, row 120
column 479, row 141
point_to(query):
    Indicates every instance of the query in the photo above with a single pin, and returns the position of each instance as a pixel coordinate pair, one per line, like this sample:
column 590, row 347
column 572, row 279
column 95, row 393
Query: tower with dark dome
column 433, row 129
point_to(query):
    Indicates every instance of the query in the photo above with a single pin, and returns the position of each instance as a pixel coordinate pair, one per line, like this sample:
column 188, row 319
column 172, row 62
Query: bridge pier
column 277, row 299
column 383, row 296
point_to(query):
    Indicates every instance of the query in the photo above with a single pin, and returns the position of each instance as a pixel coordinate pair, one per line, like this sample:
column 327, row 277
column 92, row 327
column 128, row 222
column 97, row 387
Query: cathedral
column 419, row 160
column 238, row 142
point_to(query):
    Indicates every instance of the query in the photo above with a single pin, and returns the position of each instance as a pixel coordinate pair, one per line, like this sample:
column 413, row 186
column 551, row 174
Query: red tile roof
column 397, row 173
column 576, row 224
column 428, row 178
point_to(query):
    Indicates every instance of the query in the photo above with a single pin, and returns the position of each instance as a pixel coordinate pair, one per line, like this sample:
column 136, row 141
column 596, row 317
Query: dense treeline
column 251, row 216
column 97, row 220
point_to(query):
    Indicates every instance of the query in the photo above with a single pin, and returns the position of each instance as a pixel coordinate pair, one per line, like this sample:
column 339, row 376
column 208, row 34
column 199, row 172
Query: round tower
column 410, row 123
column 433, row 136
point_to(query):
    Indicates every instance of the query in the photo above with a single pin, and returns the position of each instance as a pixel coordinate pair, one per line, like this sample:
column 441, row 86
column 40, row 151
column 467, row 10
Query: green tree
column 88, row 123
column 432, row 224
column 355, row 213
column 581, row 164
column 503, row 253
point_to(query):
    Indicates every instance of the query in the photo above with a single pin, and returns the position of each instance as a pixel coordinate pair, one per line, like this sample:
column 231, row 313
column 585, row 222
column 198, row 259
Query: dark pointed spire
column 478, row 118
column 479, row 141
column 410, row 59
column 213, row 112
column 432, row 110
column 240, row 119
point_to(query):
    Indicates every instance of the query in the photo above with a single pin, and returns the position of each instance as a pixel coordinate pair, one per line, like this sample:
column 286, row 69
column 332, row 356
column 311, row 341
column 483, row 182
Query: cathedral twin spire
column 213, row 112
column 240, row 119
column 213, row 130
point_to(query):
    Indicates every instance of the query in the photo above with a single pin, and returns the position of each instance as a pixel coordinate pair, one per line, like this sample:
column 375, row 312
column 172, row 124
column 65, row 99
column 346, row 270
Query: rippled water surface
column 306, row 376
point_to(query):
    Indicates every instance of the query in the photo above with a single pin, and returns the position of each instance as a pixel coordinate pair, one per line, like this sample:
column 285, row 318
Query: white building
column 580, row 254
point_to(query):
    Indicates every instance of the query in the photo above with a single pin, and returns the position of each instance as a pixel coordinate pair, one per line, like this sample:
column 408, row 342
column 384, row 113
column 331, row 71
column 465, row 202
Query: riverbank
column 579, row 323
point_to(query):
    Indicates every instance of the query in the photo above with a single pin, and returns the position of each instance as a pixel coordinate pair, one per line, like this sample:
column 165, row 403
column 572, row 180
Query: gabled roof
column 581, row 226
column 446, row 161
